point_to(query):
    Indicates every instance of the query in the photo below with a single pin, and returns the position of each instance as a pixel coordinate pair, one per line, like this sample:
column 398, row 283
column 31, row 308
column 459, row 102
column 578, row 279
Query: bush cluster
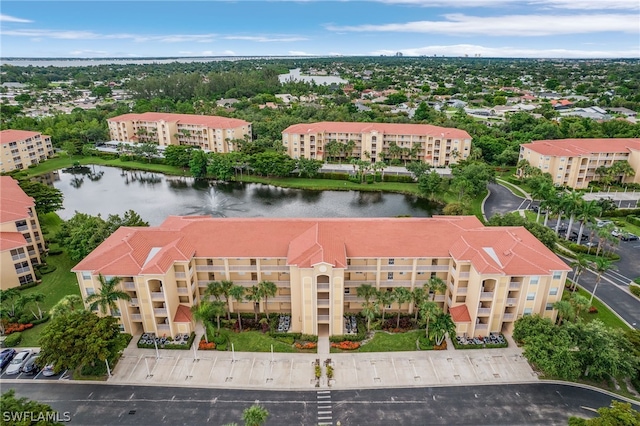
column 346, row 345
column 13, row 339
column 635, row 290
column 634, row 220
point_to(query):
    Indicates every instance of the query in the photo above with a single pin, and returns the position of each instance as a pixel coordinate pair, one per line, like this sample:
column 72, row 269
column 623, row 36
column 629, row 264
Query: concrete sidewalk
column 250, row 370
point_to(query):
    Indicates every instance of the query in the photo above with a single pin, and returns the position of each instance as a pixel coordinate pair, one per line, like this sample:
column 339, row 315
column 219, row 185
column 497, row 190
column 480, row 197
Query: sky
column 486, row 28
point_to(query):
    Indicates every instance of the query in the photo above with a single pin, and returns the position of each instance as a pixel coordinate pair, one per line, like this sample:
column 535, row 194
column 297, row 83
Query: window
column 531, row 296
column 553, row 291
column 534, row 280
column 86, row 275
column 392, row 261
column 527, row 311
column 390, row 275
column 548, row 307
column 90, row 291
column 557, row 275
column 26, row 279
column 347, row 290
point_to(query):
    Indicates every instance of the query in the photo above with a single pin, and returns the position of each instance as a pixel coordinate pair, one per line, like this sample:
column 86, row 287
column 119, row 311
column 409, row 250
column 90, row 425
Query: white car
column 602, row 223
column 617, row 233
column 48, row 371
column 18, row 361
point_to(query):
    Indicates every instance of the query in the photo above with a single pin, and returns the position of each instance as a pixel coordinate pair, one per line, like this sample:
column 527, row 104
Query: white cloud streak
column 514, row 25
column 472, row 50
column 7, row 18
column 261, row 39
column 553, row 4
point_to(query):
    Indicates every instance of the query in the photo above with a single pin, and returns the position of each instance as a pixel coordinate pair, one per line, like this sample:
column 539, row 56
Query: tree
column 255, row 415
column 366, row 291
column 108, row 295
column 79, row 338
column 579, row 264
column 267, row 289
column 47, row 198
column 419, row 296
column 70, row 148
column 586, row 213
column 237, row 293
column 402, row 295
column 12, row 407
column 428, row 311
column 369, row 311
column 601, row 265
column 218, row 289
column 572, row 204
column 441, row 326
column 178, row 155
column 308, row 168
column 68, row 304
column 203, row 312
column 218, row 309
column 385, row 298
column 429, row 184
column 255, row 295
column 618, row 413
column 435, row 285
column 419, row 169
column 198, row 163
column 146, row 149
column 565, row 310
column 579, row 302
column 26, row 299
column 9, row 301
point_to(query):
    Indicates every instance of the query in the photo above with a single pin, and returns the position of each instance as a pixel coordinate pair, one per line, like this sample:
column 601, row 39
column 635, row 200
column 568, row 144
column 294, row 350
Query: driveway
column 501, row 200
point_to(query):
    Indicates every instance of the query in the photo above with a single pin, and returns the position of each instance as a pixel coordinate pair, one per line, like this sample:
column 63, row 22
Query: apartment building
column 21, row 148
column 573, row 162
column 494, row 275
column 21, row 241
column 209, row 133
column 438, row 146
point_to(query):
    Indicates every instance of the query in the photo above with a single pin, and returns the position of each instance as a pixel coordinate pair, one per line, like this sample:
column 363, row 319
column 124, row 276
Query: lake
column 319, row 79
column 108, row 190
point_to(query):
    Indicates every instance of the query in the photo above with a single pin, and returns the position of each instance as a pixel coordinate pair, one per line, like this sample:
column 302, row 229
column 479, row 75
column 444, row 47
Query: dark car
column 629, row 237
column 30, row 366
column 6, row 356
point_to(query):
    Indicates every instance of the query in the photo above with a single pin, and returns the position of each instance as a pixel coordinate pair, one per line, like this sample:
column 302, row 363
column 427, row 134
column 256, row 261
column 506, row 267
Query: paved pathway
column 501, row 200
column 249, row 370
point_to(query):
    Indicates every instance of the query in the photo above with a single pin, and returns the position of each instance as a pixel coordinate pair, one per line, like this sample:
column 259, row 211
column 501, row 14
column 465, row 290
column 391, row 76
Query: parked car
column 629, row 237
column 6, row 356
column 30, row 366
column 18, row 361
column 617, row 232
column 601, row 223
column 48, row 371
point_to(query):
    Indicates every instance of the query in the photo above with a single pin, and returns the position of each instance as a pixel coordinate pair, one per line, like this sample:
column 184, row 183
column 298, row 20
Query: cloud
column 7, row 18
column 299, row 53
column 554, row 4
column 513, row 25
column 88, row 52
column 262, row 39
column 472, row 50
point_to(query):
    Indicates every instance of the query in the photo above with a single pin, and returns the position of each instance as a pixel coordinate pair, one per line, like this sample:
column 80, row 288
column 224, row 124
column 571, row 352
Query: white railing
column 129, row 285
column 160, row 311
column 361, row 268
column 155, row 295
column 462, row 290
column 323, row 286
column 511, row 301
column 508, row 317
column 439, row 298
column 181, row 275
column 163, row 327
column 323, row 318
column 206, row 268
column 243, row 268
column 432, row 268
column 486, row 295
column 136, row 317
column 353, row 298
column 464, row 275
column 482, row 327
column 183, row 290
column 484, row 311
column 133, row 302
column 402, row 268
column 514, row 285
column 324, row 302
column 274, row 268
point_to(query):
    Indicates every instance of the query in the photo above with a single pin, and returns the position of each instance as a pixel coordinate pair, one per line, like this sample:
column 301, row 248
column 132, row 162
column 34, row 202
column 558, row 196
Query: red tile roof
column 11, row 240
column 460, row 313
column 307, row 242
column 10, row 135
column 212, row 121
column 14, row 203
column 385, row 128
column 581, row 147
column 183, row 314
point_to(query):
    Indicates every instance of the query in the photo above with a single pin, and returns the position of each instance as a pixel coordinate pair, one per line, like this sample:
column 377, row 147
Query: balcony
column 484, row 311
column 511, row 301
column 183, row 290
column 432, row 268
column 482, row 327
column 353, row 298
column 160, row 312
column 181, row 275
column 403, row 268
column 509, row 317
column 157, row 295
column 136, row 317
column 462, row 290
column 486, row 295
column 129, row 285
column 464, row 275
column 515, row 285
column 22, row 228
column 210, row 268
column 324, row 302
column 439, row 298
column 323, row 318
column 163, row 328
column 361, row 268
column 243, row 268
column 274, row 268
column 133, row 301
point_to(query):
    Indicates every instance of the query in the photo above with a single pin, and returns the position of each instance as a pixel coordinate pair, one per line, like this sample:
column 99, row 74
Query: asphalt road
column 502, row 201
column 518, row 404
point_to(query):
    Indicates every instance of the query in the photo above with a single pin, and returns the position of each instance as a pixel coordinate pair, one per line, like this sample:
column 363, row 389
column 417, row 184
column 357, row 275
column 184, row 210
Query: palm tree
column 255, row 296
column 385, row 298
column 217, row 309
column 580, row 264
column 218, row 289
column 419, row 296
column 12, row 296
column 435, row 285
column 541, row 193
column 573, row 202
column 579, row 302
column 369, row 311
column 601, row 265
column 366, row 291
column 402, row 295
column 25, row 299
column 107, row 296
column 441, row 326
column 565, row 310
column 254, row 415
column 214, row 289
column 428, row 311
column 588, row 211
column 267, row 289
column 67, row 304
column 237, row 293
column 203, row 312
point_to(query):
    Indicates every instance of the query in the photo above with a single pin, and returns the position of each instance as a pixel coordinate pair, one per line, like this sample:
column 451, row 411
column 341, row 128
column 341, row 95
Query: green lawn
column 604, row 314
column 397, row 342
column 520, row 192
column 255, row 341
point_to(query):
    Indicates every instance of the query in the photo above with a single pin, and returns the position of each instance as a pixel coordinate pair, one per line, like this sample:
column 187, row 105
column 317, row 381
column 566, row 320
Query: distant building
column 210, row 133
column 594, row 113
column 573, row 162
column 438, row 146
column 21, row 148
column 624, row 111
column 21, row 241
column 493, row 275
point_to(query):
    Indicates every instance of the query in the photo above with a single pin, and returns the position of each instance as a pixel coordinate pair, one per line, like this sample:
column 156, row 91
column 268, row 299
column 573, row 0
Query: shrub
column 593, row 310
column 635, row 290
column 16, row 328
column 634, row 220
column 398, row 178
column 318, row 371
column 346, row 345
column 13, row 339
column 26, row 286
column 309, row 337
column 54, row 250
column 305, row 345
column 44, row 319
column 47, row 269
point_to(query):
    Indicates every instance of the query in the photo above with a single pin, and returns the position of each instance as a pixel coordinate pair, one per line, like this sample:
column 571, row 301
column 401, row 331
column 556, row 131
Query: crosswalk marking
column 325, row 416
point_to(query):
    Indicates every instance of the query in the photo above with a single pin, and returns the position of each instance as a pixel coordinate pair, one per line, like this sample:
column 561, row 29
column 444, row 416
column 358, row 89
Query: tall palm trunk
column 571, row 219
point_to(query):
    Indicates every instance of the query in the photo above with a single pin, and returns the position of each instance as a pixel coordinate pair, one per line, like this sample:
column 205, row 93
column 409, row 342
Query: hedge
column 635, row 290
column 634, row 220
column 54, row 250
column 360, row 336
column 44, row 319
column 578, row 248
column 333, row 176
column 624, row 212
column 398, row 178
column 26, row 286
column 192, row 336
column 13, row 339
column 47, row 269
